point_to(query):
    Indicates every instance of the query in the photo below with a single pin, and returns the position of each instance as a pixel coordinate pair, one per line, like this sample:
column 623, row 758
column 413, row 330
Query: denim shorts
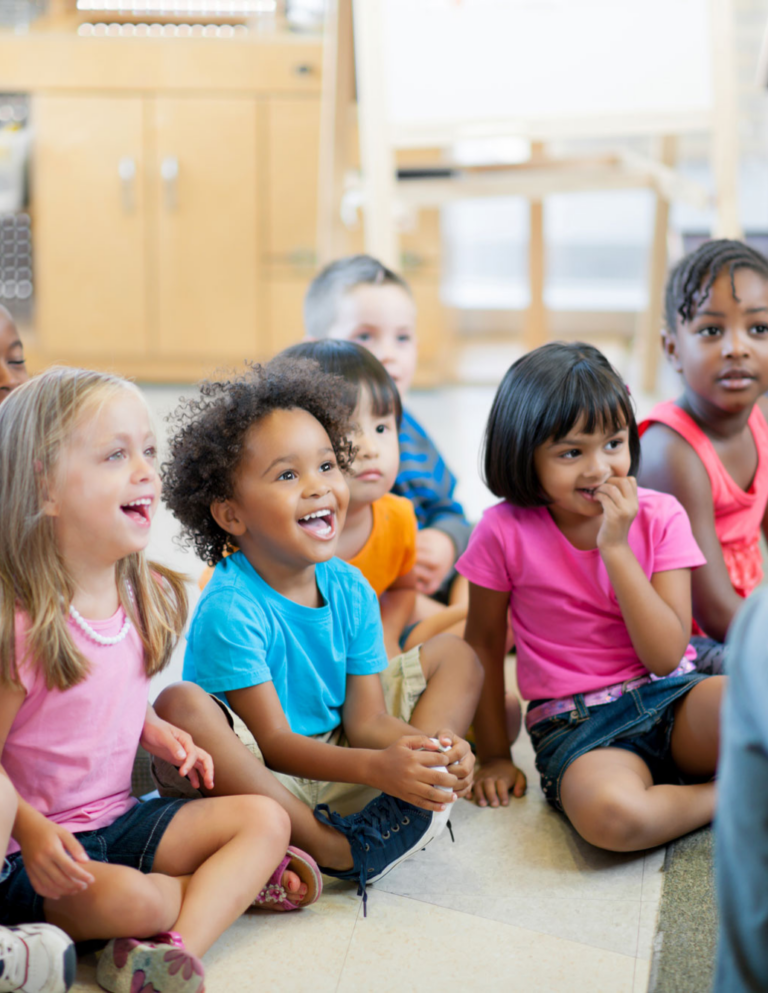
column 131, row 840
column 711, row 655
column 641, row 721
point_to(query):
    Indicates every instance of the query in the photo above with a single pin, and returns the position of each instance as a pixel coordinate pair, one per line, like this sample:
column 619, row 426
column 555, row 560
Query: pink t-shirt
column 570, row 634
column 70, row 753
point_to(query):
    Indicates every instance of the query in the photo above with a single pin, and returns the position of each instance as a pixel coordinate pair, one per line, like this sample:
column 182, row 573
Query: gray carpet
column 686, row 935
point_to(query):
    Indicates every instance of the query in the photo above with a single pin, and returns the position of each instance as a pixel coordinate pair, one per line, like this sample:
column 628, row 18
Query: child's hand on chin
column 618, row 498
column 496, row 780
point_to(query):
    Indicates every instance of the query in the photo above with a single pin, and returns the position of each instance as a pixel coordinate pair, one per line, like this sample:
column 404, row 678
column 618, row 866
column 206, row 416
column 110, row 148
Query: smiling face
column 105, row 487
column 375, row 437
column 290, row 497
column 13, row 369
column 722, row 352
column 382, row 318
column 571, row 468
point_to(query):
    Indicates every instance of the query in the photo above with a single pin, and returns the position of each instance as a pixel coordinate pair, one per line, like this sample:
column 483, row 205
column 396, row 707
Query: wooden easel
column 357, row 42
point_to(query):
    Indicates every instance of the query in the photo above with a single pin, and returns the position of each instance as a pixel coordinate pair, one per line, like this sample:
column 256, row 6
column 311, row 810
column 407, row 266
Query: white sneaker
column 36, row 958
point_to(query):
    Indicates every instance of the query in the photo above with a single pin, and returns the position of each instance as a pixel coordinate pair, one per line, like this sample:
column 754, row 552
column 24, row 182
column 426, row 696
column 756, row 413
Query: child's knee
column 181, row 702
column 448, row 650
column 263, row 817
column 616, row 821
column 134, row 903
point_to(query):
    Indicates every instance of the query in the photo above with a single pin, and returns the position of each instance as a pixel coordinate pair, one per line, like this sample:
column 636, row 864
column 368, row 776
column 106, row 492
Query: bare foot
column 294, row 887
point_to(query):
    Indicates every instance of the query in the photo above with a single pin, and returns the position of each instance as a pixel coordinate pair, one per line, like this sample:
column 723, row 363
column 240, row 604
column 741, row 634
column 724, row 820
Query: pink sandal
column 274, row 895
column 151, row 965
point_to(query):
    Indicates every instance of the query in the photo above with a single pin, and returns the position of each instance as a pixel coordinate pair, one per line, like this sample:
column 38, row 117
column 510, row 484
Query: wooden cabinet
column 90, row 227
column 174, row 191
column 203, row 185
column 147, row 227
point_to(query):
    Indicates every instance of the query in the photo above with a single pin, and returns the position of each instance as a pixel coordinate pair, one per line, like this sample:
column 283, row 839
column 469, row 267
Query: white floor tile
column 403, row 946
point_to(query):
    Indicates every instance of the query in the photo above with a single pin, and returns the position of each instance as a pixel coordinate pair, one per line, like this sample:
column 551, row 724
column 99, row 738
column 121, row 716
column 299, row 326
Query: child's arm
column 657, row 612
column 486, row 632
column 396, row 604
column 52, row 855
column 435, row 555
column 168, row 742
column 763, row 405
column 368, row 724
column 672, row 466
column 405, row 772
column 429, row 484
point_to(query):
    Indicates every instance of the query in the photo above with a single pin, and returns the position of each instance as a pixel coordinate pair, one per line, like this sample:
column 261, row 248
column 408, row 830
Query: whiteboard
column 532, row 63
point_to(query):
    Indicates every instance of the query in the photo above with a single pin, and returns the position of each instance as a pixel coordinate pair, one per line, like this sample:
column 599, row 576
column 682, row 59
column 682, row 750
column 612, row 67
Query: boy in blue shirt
column 288, row 638
column 359, row 299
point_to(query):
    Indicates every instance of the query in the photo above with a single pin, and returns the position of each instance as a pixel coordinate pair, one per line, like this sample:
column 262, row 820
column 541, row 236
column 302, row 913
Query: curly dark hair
column 691, row 279
column 207, row 445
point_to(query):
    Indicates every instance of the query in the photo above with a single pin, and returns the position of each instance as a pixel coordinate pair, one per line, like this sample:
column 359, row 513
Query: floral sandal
column 274, row 896
column 155, row 965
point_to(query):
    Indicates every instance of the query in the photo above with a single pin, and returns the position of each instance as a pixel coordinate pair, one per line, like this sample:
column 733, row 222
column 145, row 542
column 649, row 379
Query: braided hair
column 692, row 278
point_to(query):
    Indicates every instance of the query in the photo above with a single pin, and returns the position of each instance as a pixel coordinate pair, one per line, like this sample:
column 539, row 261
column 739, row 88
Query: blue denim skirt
column 640, row 721
column 131, row 840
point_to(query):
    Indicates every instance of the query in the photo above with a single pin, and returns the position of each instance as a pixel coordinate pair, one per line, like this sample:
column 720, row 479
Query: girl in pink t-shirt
column 163, row 879
column 709, row 448
column 596, row 575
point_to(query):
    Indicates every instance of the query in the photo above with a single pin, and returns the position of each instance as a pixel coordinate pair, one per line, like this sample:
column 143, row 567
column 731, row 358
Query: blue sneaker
column 382, row 835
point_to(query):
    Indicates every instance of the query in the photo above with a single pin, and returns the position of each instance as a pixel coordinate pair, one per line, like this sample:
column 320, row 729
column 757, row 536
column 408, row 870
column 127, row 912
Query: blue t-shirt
column 243, row 633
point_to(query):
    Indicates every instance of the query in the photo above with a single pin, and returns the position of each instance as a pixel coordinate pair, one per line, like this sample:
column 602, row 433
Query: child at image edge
column 84, row 622
column 709, row 448
column 597, row 575
column 13, row 368
column 39, row 956
column 358, row 299
column 289, row 638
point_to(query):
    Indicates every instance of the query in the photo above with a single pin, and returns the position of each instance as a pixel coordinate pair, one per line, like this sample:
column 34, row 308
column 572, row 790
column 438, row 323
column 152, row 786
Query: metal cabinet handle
column 169, row 171
column 126, row 170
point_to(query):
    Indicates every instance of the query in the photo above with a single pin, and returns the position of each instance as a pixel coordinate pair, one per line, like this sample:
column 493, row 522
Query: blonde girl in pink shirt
column 596, row 574
column 85, row 621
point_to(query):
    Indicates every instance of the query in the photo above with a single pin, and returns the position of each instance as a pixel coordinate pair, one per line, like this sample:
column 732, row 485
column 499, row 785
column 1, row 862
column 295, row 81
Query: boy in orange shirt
column 380, row 531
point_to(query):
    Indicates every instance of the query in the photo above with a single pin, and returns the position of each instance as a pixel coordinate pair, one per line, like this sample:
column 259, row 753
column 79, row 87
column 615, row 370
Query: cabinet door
column 204, row 256
column 292, row 163
column 89, row 227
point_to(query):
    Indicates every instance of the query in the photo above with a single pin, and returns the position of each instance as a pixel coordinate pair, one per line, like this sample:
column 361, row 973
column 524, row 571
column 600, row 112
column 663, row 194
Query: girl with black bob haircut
column 595, row 574
column 543, row 395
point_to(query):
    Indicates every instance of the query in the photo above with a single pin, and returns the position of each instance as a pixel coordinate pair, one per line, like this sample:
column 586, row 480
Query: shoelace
column 370, row 829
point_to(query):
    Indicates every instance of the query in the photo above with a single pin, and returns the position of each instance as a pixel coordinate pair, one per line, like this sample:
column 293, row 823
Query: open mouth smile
column 588, row 492
column 320, row 524
column 138, row 511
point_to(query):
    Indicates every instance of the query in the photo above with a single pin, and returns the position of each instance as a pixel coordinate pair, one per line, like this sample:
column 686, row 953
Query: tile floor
column 519, row 902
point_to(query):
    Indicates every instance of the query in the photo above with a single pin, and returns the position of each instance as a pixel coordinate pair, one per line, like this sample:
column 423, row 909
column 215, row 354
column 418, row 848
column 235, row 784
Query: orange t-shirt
column 390, row 551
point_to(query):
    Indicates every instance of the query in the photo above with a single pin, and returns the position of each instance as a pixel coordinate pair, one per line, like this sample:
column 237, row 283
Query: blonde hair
column 36, row 422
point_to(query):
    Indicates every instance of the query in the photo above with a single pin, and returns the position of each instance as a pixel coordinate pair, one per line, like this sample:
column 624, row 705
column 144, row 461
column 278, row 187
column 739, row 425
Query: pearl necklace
column 100, row 639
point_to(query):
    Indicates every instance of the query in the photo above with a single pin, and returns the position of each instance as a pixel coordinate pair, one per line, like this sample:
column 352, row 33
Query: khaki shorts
column 403, row 683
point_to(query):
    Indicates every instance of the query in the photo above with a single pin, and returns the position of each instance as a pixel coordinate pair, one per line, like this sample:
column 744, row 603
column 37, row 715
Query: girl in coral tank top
column 709, row 448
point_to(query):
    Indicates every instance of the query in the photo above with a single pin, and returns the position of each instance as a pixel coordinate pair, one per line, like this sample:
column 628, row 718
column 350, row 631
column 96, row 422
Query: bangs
column 385, row 400
column 583, row 399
